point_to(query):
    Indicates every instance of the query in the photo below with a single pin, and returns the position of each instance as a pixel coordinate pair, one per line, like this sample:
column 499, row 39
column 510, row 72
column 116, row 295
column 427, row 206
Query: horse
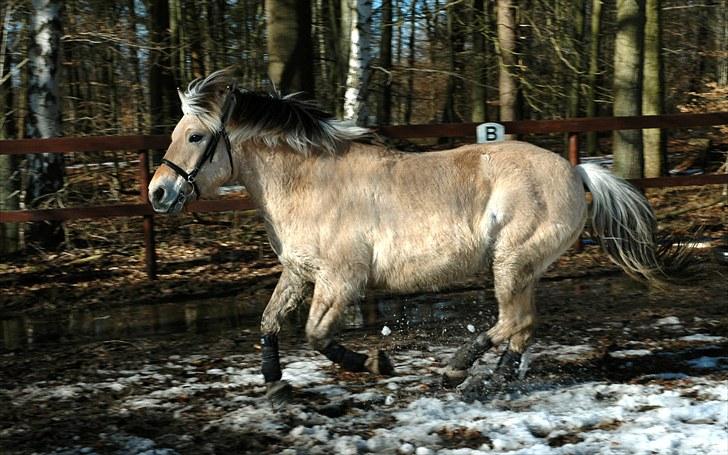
column 344, row 214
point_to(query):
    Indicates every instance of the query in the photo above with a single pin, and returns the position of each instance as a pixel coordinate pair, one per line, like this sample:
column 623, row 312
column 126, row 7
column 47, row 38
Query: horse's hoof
column 279, row 392
column 452, row 377
column 378, row 362
column 475, row 388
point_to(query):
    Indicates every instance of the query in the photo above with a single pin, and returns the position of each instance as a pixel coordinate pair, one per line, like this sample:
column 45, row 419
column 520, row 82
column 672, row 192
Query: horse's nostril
column 158, row 195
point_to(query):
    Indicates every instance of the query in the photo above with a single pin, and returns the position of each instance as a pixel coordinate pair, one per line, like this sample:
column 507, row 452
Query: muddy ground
column 96, row 359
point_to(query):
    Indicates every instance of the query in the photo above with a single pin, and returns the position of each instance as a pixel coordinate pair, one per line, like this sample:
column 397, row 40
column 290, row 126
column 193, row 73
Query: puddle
column 128, row 322
column 214, row 316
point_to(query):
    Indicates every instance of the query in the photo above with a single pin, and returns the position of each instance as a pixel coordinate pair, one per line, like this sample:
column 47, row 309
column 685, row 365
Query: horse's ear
column 183, row 99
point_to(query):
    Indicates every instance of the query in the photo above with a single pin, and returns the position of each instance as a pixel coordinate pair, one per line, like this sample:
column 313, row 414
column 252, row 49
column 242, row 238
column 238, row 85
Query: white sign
column 490, row 132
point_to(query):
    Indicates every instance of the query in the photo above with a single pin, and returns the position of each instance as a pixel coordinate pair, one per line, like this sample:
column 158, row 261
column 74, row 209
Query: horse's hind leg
column 288, row 294
column 516, row 321
column 457, row 368
column 327, row 307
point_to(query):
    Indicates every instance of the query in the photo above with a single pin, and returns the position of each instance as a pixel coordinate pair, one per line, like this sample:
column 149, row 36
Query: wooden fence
column 460, row 130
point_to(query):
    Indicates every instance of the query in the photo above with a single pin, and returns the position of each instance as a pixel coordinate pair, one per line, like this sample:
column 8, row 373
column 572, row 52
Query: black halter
column 190, row 177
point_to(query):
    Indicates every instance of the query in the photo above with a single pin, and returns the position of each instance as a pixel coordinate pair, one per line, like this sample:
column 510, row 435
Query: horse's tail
column 626, row 228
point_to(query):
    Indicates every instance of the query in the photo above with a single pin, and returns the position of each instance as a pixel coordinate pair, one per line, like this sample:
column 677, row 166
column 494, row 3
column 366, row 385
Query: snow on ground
column 670, row 412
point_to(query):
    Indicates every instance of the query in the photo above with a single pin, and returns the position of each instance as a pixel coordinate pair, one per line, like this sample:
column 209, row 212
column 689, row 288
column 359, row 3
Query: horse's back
column 447, row 212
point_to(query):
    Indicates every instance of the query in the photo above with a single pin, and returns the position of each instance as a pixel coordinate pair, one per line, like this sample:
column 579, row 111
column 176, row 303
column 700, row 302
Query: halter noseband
column 190, row 177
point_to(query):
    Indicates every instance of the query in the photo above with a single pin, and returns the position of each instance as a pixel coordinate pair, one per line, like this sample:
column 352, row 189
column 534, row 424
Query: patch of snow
column 386, row 331
column 410, row 413
column 703, row 337
column 564, row 353
column 670, row 320
column 626, row 353
column 471, row 328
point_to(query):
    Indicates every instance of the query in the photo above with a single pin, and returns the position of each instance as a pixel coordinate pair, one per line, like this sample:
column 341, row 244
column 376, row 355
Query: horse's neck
column 269, row 174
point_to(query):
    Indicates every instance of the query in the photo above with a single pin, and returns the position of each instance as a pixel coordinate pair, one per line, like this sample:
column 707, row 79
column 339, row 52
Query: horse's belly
column 409, row 269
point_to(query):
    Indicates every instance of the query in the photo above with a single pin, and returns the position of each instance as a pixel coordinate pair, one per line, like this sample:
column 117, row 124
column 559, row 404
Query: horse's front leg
column 330, row 300
column 290, row 292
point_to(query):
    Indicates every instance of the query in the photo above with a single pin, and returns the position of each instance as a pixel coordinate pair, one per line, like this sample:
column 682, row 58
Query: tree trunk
column 45, row 170
column 357, row 81
column 385, row 61
column 290, row 49
column 163, row 106
column 653, row 89
column 721, row 43
column 137, row 90
column 577, row 38
column 479, row 94
column 9, row 173
column 627, row 144
column 507, row 89
column 195, row 28
column 596, row 21
column 411, row 65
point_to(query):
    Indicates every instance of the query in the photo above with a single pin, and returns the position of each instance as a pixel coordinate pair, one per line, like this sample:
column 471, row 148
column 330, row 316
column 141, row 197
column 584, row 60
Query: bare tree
column 290, row 48
column 410, row 62
column 9, row 181
column 593, row 71
column 45, row 170
column 478, row 93
column 507, row 88
column 357, row 81
column 721, row 42
column 162, row 96
column 627, row 144
column 653, row 91
column 385, row 61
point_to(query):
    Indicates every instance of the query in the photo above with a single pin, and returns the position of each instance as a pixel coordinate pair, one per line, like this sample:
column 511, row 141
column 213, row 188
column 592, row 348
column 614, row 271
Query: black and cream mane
column 268, row 117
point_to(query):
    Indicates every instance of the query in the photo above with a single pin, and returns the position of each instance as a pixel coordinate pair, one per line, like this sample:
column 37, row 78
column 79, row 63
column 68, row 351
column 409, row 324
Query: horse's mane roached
column 269, row 117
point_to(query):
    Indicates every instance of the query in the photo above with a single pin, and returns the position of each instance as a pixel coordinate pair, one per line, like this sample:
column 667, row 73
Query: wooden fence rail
column 144, row 143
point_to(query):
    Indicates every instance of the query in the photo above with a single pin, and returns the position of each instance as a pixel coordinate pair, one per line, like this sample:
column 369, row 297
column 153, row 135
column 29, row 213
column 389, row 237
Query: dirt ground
column 92, row 350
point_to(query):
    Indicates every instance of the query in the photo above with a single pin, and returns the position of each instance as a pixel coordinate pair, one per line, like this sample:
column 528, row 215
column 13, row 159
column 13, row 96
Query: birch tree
column 9, row 181
column 357, row 80
column 45, row 170
column 627, row 144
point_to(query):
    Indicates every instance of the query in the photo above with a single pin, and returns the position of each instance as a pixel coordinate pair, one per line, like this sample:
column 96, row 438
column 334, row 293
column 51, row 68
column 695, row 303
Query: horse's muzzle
column 166, row 197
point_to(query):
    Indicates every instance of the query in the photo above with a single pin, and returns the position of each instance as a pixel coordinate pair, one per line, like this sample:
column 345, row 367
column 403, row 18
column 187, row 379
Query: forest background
column 93, row 67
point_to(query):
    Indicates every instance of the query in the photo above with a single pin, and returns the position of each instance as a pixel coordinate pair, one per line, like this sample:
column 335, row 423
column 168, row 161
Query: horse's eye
column 195, row 138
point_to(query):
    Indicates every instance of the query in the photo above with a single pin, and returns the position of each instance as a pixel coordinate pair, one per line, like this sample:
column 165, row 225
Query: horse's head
column 199, row 159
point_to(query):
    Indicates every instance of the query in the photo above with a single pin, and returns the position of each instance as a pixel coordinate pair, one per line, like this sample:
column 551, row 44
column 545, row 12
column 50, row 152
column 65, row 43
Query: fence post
column 150, row 251
column 574, row 160
column 574, row 149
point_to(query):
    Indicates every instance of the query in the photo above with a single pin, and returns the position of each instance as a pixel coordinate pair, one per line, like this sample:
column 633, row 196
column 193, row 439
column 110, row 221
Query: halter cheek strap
column 190, row 177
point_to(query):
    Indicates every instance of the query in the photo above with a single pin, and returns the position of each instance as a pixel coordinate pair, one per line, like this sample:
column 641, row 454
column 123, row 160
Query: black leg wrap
column 509, row 364
column 469, row 353
column 271, row 366
column 349, row 360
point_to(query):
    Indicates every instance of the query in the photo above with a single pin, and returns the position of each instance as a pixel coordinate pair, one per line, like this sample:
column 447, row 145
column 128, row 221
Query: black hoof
column 483, row 388
column 474, row 388
column 279, row 392
column 378, row 362
column 452, row 377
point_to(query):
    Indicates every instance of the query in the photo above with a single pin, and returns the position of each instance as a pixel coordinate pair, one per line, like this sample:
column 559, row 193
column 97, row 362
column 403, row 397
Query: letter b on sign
column 490, row 132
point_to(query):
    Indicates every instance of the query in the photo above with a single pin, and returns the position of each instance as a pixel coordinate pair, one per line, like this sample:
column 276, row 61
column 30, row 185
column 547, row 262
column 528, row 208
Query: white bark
column 44, row 62
column 45, row 170
column 357, row 80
